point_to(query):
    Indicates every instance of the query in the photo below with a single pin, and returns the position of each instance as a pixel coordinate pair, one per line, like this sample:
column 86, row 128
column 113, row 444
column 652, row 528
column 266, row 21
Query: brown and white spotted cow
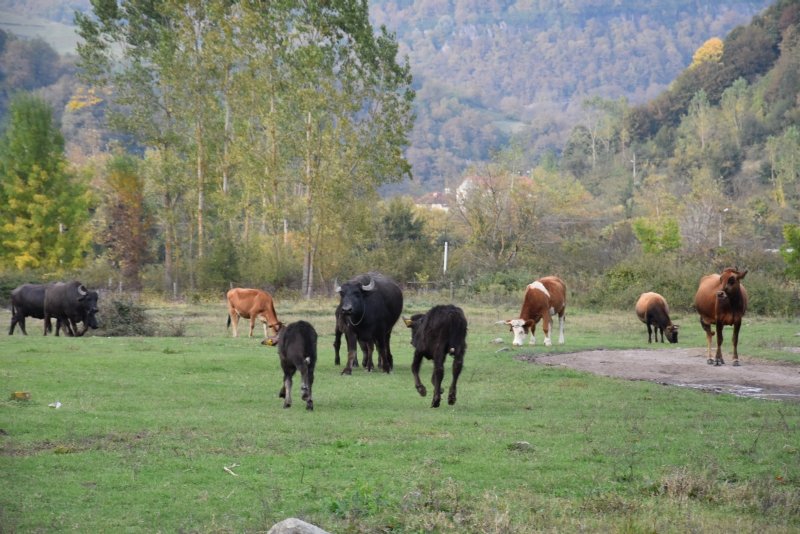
column 252, row 304
column 652, row 309
column 721, row 300
column 544, row 298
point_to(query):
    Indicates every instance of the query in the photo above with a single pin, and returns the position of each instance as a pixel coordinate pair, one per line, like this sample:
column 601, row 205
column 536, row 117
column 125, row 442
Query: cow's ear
column 408, row 322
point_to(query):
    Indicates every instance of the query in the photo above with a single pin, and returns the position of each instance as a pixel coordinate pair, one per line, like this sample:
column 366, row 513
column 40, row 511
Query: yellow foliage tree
column 710, row 51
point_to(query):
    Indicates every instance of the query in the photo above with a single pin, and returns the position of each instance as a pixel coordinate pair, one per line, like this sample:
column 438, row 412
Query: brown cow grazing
column 252, row 304
column 721, row 300
column 435, row 334
column 297, row 348
column 652, row 310
column 543, row 298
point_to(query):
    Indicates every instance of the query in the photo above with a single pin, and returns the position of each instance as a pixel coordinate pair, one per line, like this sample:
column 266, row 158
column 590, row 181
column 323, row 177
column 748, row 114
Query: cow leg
column 649, row 333
column 532, row 332
column 415, row 365
column 308, row 379
column 253, row 325
column 79, row 333
column 458, row 364
column 438, row 376
column 709, row 335
column 337, row 343
column 286, row 390
column 366, row 356
column 385, row 357
column 736, row 326
column 561, row 320
column 234, row 323
column 266, row 332
column 547, row 323
column 352, row 354
column 47, row 325
column 719, row 360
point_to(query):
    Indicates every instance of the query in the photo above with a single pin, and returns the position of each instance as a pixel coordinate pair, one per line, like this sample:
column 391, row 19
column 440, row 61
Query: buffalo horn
column 336, row 287
column 370, row 286
column 82, row 290
column 408, row 322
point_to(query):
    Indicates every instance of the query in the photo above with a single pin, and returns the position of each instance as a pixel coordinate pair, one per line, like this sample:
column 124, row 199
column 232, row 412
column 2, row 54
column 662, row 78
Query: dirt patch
column 686, row 368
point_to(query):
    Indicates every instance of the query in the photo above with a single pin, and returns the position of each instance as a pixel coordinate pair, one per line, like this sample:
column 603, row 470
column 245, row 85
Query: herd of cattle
column 371, row 304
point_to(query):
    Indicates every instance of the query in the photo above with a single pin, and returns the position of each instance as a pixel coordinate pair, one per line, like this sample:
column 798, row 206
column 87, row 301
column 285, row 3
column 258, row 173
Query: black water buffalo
column 435, row 334
column 297, row 348
column 371, row 304
column 343, row 328
column 27, row 300
column 70, row 303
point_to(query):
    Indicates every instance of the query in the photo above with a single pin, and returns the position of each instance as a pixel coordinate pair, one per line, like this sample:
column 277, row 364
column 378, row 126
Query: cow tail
column 229, row 321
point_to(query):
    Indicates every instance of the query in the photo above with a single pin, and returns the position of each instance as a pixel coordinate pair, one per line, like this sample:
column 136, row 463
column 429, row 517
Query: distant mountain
column 490, row 72
column 487, row 72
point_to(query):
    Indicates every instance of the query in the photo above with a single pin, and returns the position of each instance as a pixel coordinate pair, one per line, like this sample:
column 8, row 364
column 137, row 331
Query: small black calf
column 435, row 334
column 297, row 348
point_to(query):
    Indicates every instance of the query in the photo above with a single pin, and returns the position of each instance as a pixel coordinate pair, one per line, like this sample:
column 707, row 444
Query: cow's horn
column 82, row 290
column 336, row 287
column 501, row 322
column 370, row 286
column 407, row 322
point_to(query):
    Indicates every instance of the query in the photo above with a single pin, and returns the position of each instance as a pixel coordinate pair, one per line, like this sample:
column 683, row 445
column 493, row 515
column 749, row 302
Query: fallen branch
column 228, row 468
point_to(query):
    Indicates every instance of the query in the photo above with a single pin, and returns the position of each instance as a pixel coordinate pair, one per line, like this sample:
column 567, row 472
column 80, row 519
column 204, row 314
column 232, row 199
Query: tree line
column 269, row 132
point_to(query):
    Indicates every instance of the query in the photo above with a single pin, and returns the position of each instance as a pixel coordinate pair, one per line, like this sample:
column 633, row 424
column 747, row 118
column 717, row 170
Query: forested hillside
column 490, row 72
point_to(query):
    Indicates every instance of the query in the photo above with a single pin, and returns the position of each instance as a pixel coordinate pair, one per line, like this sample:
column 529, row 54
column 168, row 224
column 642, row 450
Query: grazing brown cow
column 652, row 310
column 251, row 304
column 721, row 300
column 543, row 298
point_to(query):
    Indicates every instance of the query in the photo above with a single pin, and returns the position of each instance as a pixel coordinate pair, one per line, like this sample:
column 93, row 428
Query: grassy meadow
column 187, row 434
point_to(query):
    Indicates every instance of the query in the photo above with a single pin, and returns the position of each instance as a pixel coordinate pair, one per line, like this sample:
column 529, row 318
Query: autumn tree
column 44, row 209
column 127, row 221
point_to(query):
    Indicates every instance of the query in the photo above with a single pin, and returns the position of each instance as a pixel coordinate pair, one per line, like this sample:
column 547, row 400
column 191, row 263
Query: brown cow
column 252, row 304
column 652, row 310
column 543, row 298
column 721, row 300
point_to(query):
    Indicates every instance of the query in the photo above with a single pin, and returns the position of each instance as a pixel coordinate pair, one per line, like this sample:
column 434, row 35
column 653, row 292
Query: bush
column 124, row 317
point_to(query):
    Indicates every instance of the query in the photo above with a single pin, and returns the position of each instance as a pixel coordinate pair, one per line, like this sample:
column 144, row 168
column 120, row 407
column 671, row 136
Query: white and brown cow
column 544, row 298
column 652, row 309
column 252, row 304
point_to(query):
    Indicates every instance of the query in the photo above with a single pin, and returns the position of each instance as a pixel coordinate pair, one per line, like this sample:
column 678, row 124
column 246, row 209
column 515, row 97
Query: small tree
column 127, row 221
column 44, row 210
column 791, row 250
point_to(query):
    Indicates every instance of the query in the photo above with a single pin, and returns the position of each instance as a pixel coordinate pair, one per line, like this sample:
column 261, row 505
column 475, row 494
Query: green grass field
column 148, row 426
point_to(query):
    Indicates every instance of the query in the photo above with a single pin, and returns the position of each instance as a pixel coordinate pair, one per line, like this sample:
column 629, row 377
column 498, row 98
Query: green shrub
column 124, row 317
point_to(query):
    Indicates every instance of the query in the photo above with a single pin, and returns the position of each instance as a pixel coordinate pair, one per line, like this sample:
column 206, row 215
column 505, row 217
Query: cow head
column 353, row 298
column 730, row 283
column 271, row 341
column 672, row 333
column 520, row 328
column 88, row 300
column 414, row 324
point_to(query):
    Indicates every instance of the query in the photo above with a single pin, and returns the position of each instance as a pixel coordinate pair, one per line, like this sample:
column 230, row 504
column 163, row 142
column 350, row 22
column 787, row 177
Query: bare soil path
column 685, row 367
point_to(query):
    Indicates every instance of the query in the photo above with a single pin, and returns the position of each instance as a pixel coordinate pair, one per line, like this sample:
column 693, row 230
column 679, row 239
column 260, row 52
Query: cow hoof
column 736, row 363
column 451, row 400
column 347, row 371
column 435, row 403
column 282, row 394
column 422, row 391
column 310, row 406
column 710, row 361
column 287, row 405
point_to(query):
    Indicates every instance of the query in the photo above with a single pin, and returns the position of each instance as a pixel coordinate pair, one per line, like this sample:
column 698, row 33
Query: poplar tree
column 44, row 210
